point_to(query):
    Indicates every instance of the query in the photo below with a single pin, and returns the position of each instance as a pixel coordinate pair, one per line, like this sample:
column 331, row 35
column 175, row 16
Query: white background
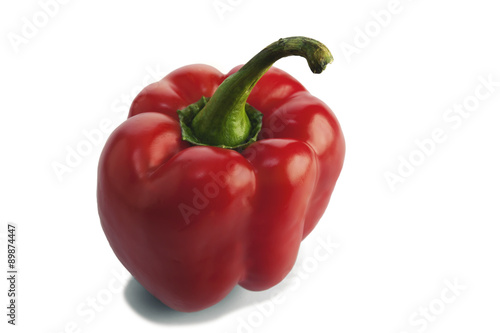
column 398, row 249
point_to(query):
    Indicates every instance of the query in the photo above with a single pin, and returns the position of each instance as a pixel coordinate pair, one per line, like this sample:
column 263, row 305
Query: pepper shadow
column 150, row 308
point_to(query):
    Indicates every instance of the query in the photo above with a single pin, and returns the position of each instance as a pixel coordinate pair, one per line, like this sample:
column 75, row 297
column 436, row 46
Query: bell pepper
column 214, row 180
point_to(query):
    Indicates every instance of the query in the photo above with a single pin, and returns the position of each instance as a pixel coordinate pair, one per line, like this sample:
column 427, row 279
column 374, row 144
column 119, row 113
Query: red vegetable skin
column 191, row 221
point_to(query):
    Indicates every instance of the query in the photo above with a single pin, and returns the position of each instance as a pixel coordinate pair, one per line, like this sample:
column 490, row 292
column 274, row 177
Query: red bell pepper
column 214, row 180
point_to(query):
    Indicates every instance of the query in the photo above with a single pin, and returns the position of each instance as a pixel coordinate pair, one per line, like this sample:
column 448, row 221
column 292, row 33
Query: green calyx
column 189, row 113
column 226, row 119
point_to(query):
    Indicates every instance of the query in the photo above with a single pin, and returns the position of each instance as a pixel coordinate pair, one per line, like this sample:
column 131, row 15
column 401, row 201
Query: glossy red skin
column 258, row 205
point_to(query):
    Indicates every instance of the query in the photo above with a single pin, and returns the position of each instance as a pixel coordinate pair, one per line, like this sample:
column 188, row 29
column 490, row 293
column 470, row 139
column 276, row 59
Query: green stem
column 223, row 120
